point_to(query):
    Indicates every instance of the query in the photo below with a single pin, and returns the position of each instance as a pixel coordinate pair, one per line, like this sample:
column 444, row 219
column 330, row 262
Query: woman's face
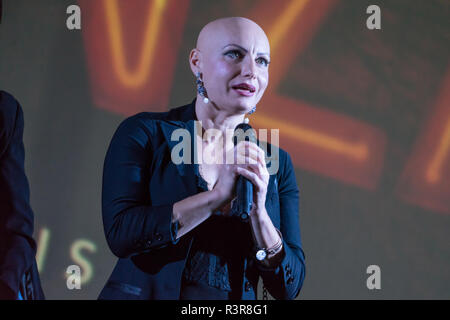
column 235, row 65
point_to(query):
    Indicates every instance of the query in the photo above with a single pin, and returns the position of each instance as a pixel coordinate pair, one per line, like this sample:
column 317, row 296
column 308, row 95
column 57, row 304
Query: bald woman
column 172, row 223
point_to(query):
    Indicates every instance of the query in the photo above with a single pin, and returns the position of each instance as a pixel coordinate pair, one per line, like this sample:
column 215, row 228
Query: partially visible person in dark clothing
column 19, row 278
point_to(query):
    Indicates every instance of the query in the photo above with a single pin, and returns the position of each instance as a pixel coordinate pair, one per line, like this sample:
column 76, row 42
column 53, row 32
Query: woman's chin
column 239, row 105
column 243, row 109
column 243, row 106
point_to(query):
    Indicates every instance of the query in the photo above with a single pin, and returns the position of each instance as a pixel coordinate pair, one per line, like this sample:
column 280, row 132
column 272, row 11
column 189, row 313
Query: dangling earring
column 246, row 120
column 201, row 88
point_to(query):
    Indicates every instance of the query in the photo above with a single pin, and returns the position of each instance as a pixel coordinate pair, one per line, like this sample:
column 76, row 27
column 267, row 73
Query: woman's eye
column 263, row 61
column 233, row 54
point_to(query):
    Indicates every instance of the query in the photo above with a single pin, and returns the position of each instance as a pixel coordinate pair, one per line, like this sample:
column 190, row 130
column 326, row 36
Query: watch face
column 261, row 255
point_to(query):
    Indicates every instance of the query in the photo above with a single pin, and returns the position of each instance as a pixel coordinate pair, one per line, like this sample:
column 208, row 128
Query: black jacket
column 140, row 186
column 18, row 269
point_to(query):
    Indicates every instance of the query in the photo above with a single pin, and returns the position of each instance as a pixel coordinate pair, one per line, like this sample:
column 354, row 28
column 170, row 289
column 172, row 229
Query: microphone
column 244, row 188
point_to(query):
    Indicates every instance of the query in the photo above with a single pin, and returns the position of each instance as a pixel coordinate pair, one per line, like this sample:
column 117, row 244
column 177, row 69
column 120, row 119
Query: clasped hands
column 250, row 163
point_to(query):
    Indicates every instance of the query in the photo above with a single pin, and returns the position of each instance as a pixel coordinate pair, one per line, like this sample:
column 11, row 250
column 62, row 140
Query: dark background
column 389, row 79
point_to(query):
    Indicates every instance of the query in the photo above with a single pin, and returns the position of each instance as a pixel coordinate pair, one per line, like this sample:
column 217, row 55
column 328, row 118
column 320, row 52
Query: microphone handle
column 244, row 189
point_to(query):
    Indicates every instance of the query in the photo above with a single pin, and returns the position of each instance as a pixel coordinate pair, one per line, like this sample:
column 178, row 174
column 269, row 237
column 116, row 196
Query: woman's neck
column 215, row 118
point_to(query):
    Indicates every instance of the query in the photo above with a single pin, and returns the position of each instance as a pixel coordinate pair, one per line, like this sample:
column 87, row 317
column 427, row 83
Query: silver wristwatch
column 262, row 253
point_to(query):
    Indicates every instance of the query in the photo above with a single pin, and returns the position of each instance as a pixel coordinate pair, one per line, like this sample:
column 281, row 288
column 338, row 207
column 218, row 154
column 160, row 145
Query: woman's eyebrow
column 245, row 50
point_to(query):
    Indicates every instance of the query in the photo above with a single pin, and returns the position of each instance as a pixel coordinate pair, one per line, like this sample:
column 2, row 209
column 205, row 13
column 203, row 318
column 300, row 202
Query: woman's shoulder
column 279, row 158
column 177, row 114
column 144, row 125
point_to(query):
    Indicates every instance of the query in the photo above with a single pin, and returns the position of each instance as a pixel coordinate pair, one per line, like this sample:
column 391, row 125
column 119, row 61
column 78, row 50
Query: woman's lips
column 244, row 92
column 245, row 89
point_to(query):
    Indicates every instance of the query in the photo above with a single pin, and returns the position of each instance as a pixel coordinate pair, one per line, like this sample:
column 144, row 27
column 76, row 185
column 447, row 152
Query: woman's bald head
column 231, row 51
column 221, row 29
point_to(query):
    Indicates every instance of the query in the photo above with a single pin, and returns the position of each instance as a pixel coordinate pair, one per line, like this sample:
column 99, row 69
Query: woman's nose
column 248, row 67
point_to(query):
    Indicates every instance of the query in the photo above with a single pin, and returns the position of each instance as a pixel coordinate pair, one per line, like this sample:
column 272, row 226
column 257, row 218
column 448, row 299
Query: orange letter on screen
column 426, row 178
column 131, row 47
column 320, row 140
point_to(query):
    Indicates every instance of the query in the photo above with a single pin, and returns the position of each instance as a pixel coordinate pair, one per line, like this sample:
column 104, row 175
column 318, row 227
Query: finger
column 253, row 158
column 262, row 161
column 259, row 185
column 243, row 159
column 242, row 148
column 260, row 153
column 254, row 152
column 242, row 145
column 250, row 153
column 253, row 177
column 245, row 145
column 253, row 168
column 260, row 170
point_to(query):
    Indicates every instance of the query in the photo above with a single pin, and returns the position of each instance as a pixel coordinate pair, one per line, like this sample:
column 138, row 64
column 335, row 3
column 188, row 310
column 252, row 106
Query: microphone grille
column 244, row 131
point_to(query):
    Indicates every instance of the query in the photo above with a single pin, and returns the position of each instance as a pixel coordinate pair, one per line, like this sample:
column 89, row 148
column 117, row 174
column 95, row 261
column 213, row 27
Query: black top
column 215, row 262
column 141, row 183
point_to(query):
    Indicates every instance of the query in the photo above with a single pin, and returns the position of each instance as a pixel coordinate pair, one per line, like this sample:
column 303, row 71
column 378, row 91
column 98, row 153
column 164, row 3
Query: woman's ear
column 195, row 60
